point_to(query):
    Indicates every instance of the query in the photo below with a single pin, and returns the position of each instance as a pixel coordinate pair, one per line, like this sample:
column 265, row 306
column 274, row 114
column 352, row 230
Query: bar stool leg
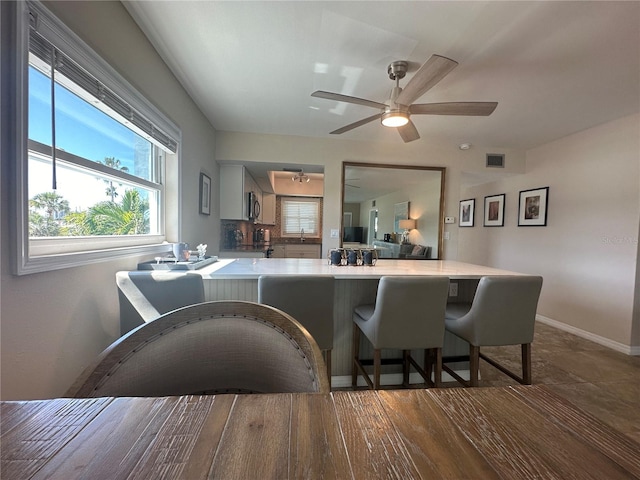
column 405, row 368
column 428, row 361
column 437, row 370
column 355, row 348
column 376, row 368
column 526, row 363
column 474, row 365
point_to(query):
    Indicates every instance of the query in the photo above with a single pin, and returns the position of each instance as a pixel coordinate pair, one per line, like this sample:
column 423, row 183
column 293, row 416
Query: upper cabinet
column 235, row 186
column 268, row 208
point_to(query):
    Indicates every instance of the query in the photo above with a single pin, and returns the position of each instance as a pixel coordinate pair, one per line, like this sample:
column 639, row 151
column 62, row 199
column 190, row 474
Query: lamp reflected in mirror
column 407, row 225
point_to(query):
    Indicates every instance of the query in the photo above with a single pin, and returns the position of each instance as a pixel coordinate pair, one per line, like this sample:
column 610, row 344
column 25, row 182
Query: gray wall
column 55, row 323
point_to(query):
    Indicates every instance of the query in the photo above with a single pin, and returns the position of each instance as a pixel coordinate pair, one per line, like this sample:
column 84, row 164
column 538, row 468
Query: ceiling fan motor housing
column 397, row 70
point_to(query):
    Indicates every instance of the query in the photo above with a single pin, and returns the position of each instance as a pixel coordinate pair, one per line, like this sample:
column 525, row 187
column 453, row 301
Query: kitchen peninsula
column 237, row 279
column 232, row 269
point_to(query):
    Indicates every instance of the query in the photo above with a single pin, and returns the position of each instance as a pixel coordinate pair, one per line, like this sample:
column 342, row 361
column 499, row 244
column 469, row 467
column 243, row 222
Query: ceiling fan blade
column 357, row 124
column 409, row 132
column 346, row 98
column 481, row 109
column 433, row 70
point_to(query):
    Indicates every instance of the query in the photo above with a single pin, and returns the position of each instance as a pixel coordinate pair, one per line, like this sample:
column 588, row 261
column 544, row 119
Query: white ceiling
column 554, row 67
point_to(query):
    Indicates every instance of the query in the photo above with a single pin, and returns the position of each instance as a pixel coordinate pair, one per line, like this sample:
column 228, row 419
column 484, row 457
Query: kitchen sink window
column 91, row 176
column 300, row 217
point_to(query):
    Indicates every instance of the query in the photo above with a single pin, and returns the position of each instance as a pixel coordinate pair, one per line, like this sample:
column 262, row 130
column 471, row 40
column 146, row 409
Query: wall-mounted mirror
column 376, row 198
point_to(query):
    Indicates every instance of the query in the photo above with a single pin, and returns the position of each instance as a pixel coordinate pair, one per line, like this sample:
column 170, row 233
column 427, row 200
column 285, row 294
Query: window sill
column 47, row 263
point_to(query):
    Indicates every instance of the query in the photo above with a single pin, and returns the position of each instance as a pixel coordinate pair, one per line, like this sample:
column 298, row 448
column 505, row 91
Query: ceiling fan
column 397, row 110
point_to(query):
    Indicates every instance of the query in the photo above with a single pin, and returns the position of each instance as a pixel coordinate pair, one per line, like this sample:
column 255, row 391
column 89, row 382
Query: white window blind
column 300, row 214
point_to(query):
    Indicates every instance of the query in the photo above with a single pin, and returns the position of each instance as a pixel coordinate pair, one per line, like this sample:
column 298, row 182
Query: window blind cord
column 54, row 181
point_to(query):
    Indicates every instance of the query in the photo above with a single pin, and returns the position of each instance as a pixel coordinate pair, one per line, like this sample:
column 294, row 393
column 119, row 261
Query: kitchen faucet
column 302, row 234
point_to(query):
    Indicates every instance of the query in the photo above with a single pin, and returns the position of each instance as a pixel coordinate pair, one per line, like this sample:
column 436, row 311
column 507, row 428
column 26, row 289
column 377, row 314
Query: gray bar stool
column 144, row 295
column 503, row 312
column 308, row 299
column 408, row 314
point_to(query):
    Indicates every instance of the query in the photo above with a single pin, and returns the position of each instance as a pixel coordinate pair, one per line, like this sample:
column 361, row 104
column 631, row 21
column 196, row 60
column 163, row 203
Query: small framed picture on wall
column 494, row 210
column 205, row 194
column 467, row 212
column 532, row 210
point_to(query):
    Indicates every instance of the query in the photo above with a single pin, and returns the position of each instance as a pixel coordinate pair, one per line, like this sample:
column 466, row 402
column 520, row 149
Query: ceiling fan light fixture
column 395, row 119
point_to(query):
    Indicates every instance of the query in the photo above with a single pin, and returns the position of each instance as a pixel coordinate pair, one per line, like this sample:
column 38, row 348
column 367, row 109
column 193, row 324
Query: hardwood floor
column 600, row 381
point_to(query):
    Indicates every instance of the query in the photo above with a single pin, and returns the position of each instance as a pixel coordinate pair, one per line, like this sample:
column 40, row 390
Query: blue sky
column 81, row 129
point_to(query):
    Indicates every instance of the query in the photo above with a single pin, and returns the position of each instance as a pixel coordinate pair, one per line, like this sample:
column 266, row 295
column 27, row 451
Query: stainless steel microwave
column 253, row 206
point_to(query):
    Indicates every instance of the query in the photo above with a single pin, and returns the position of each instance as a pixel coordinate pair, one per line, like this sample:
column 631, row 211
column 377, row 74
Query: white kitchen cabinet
column 278, row 251
column 241, row 254
column 269, row 208
column 233, row 200
column 235, row 184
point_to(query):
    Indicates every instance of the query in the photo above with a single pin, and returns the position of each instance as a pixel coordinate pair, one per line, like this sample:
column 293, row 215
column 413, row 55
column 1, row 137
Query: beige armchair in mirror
column 377, row 197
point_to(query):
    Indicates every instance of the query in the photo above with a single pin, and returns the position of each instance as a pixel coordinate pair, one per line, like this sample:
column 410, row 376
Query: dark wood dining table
column 521, row 432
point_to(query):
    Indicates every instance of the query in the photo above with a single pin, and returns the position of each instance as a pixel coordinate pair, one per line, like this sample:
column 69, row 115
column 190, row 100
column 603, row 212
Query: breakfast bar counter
column 237, row 279
column 252, row 268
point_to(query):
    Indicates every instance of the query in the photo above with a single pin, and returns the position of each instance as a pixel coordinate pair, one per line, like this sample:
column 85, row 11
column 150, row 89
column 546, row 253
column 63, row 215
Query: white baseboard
column 344, row 381
column 606, row 342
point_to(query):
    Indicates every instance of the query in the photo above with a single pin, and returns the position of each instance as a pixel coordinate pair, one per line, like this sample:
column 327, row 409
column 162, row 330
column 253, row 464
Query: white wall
column 53, row 324
column 588, row 252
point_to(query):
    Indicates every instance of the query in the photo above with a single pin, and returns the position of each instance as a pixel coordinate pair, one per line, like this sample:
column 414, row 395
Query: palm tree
column 116, row 164
column 75, row 224
column 131, row 217
column 54, row 206
column 41, row 226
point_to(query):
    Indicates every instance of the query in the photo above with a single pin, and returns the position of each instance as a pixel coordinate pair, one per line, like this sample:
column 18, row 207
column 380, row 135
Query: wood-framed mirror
column 377, row 197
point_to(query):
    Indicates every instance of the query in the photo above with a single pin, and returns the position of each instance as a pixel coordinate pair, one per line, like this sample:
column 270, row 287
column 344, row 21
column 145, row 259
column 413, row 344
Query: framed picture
column 467, row 212
column 532, row 210
column 400, row 212
column 205, row 194
column 494, row 210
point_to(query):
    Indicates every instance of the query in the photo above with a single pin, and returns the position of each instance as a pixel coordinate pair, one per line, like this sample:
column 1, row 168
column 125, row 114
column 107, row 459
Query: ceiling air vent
column 495, row 160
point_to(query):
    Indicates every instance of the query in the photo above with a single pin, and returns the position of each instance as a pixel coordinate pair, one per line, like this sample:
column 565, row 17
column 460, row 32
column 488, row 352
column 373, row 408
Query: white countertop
column 252, row 268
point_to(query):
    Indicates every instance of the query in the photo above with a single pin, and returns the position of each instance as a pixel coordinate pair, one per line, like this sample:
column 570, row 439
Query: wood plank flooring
column 600, row 381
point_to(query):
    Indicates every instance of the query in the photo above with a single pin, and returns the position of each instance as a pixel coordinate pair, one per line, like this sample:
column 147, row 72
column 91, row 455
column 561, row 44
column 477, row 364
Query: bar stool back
column 308, row 299
column 408, row 314
column 503, row 312
column 145, row 295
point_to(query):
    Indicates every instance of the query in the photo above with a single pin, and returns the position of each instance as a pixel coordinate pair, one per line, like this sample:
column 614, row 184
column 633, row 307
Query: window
column 93, row 156
column 300, row 216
